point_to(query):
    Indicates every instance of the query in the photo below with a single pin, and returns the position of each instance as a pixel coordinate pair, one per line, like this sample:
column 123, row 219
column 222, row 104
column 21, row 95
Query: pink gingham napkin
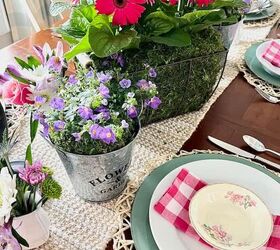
column 174, row 207
column 272, row 53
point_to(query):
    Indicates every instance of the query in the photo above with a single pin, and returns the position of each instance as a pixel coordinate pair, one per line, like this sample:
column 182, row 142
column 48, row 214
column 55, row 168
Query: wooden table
column 238, row 111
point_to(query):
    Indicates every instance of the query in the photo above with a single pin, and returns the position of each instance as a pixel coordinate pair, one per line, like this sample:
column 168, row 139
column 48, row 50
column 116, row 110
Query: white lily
column 8, row 193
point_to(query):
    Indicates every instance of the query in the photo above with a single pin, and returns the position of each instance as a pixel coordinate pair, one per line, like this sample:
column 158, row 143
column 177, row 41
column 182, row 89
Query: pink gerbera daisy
column 124, row 11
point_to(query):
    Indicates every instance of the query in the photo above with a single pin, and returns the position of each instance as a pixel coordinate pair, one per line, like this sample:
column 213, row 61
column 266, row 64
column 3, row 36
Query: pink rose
column 17, row 93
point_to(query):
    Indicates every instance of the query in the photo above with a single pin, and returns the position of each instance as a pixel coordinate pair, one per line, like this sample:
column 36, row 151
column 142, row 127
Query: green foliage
column 51, row 189
column 20, row 240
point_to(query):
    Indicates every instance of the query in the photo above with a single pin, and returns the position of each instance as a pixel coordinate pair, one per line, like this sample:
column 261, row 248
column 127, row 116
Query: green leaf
column 20, row 240
column 33, row 62
column 23, row 64
column 28, row 154
column 82, row 47
column 176, row 37
column 58, row 7
column 197, row 17
column 227, row 3
column 33, row 128
column 20, row 79
column 104, row 43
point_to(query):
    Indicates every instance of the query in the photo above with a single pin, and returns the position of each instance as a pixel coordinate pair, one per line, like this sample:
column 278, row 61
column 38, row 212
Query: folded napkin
column 174, row 207
column 272, row 53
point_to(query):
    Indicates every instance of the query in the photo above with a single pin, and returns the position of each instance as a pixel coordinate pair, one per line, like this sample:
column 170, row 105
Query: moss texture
column 186, row 76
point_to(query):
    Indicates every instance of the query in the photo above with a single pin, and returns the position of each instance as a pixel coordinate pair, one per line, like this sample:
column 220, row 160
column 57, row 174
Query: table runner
column 77, row 224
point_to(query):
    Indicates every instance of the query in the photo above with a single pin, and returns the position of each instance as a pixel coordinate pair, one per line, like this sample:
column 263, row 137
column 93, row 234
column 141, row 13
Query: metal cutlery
column 258, row 145
column 269, row 98
column 241, row 152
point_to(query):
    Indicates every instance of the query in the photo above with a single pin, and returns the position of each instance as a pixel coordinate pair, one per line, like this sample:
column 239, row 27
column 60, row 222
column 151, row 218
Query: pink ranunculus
column 17, row 93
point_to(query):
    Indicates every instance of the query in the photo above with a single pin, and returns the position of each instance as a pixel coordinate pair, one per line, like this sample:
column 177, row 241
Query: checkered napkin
column 272, row 53
column 174, row 207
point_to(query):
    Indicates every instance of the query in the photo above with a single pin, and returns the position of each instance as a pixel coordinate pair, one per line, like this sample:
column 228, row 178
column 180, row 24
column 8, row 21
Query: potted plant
column 176, row 37
column 92, row 118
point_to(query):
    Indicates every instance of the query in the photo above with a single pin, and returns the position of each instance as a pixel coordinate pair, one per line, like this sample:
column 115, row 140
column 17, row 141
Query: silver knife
column 241, row 152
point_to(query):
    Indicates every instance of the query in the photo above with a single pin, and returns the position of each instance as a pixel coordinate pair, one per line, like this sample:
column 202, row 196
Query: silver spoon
column 267, row 97
column 257, row 145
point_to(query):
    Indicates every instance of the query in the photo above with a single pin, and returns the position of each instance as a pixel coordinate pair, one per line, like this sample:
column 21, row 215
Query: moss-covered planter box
column 186, row 76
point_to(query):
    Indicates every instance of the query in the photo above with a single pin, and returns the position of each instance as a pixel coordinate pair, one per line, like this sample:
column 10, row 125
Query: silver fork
column 270, row 98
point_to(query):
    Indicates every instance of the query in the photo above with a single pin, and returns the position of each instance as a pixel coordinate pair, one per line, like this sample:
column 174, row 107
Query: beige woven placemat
column 79, row 225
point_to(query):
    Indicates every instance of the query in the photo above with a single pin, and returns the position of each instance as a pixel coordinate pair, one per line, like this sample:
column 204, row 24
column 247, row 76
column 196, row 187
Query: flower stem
column 11, row 171
column 34, row 197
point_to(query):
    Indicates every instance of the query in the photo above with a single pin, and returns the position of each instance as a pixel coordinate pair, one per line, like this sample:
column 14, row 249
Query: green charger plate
column 256, row 67
column 140, row 226
column 263, row 15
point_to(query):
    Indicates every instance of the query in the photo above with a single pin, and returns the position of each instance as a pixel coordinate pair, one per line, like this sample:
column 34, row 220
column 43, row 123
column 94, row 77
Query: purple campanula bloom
column 77, row 136
column 152, row 73
column 7, row 240
column 94, row 131
column 40, row 99
column 107, row 135
column 85, row 112
column 89, row 74
column 72, row 79
column 132, row 112
column 125, row 83
column 143, row 84
column 57, row 103
column 46, row 129
column 124, row 124
column 103, row 77
column 58, row 125
column 154, row 102
column 104, row 91
column 104, row 111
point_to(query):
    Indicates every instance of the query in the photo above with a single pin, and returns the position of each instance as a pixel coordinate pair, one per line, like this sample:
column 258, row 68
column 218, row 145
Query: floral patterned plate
column 230, row 217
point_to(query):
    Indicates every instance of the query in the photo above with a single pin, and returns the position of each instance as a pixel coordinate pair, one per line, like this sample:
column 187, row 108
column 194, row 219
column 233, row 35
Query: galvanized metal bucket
column 98, row 177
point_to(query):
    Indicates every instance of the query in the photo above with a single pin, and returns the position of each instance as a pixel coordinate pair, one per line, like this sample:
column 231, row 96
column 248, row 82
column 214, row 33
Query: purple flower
column 57, row 103
column 13, row 70
column 104, row 91
column 154, row 102
column 152, row 73
column 125, row 83
column 32, row 174
column 85, row 112
column 124, row 124
column 107, row 135
column 77, row 136
column 72, row 79
column 94, row 131
column 55, row 63
column 4, row 77
column 143, row 84
column 58, row 125
column 89, row 74
column 103, row 77
column 40, row 99
column 7, row 240
column 104, row 112
column 132, row 112
column 120, row 60
column 46, row 129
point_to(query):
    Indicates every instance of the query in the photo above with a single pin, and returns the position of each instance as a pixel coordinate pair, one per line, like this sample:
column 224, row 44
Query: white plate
column 212, row 171
column 230, row 217
column 269, row 68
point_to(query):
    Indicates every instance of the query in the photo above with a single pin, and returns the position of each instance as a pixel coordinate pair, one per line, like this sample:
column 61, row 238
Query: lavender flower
column 103, row 77
column 46, row 129
column 125, row 83
column 152, row 73
column 154, row 102
column 107, row 135
column 40, row 100
column 57, row 103
column 55, row 63
column 32, row 174
column 105, row 113
column 58, row 125
column 124, row 124
column 143, row 84
column 7, row 240
column 132, row 112
column 85, row 112
column 94, row 131
column 104, row 91
column 72, row 79
column 89, row 74
column 77, row 136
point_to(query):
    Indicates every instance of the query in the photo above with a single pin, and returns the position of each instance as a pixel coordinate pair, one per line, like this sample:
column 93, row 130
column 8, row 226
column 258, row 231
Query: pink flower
column 75, row 2
column 17, row 93
column 124, row 11
column 219, row 231
column 203, row 3
column 32, row 174
column 7, row 240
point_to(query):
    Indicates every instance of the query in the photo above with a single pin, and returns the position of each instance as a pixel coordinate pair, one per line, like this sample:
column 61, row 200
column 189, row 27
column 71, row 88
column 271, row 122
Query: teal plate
column 256, row 67
column 140, row 226
column 263, row 15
